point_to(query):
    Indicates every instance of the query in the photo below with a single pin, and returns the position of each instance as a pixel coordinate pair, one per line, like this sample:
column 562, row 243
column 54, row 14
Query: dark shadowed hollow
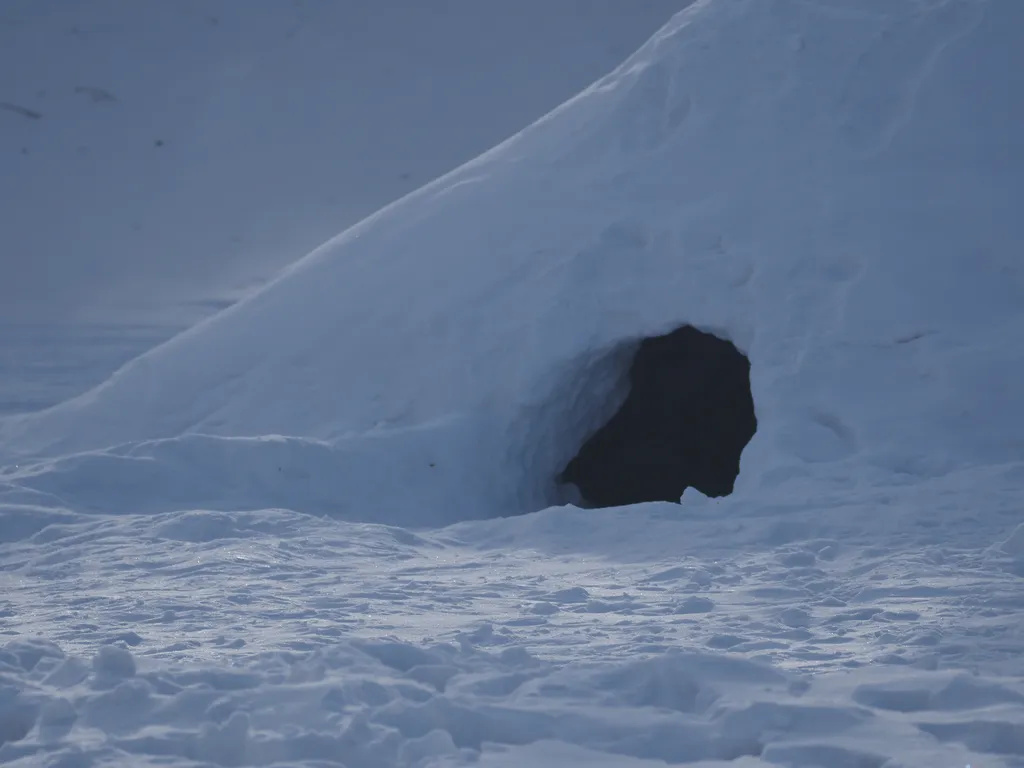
column 687, row 418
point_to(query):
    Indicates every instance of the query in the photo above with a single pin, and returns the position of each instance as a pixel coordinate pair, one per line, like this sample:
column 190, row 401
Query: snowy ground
column 276, row 540
column 882, row 627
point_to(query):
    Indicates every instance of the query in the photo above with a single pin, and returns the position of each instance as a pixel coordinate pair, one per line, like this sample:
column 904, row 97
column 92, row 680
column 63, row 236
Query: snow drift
column 834, row 187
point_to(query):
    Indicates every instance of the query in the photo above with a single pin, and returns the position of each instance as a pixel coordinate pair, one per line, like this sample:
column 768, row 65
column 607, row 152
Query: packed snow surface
column 279, row 538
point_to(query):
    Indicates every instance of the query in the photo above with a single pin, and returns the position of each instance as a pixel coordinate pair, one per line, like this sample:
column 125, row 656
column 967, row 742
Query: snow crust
column 278, row 538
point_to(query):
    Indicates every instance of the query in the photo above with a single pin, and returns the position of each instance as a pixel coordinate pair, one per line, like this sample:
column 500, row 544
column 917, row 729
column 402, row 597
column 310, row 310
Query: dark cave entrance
column 688, row 416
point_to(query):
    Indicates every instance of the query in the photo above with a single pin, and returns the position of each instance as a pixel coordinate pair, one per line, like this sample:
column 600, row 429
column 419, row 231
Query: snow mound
column 833, row 187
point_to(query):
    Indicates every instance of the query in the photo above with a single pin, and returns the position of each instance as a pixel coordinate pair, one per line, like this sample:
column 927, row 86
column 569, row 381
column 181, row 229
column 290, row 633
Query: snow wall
column 834, row 186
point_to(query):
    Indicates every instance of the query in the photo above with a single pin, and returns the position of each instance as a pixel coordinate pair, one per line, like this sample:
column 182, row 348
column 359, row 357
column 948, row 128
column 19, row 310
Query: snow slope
column 263, row 541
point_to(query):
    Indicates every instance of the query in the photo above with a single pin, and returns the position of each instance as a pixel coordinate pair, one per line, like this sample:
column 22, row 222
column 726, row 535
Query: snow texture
column 320, row 528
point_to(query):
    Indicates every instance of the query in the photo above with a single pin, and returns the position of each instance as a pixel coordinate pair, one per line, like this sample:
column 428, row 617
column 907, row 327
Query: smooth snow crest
column 832, row 186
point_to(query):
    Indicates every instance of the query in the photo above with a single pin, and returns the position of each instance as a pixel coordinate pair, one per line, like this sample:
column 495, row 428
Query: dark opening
column 687, row 418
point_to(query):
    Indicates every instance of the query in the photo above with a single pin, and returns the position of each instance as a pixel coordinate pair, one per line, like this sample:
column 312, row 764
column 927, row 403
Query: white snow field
column 321, row 529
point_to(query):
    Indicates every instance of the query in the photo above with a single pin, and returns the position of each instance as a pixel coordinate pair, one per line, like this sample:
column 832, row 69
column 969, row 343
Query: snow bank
column 831, row 186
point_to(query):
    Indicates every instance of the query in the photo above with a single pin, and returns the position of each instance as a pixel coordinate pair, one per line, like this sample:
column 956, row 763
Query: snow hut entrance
column 688, row 416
